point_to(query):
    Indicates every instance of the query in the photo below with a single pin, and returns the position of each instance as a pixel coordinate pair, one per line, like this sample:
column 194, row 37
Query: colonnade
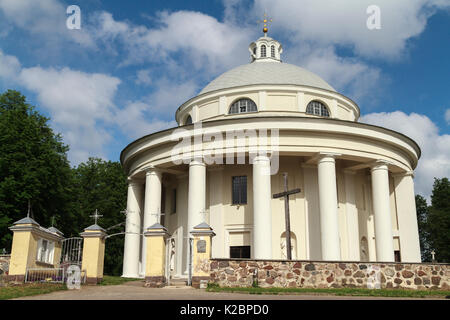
column 262, row 194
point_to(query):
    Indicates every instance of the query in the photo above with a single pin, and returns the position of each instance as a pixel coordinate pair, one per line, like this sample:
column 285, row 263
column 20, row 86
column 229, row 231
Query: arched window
column 263, row 51
column 188, row 121
column 317, row 108
column 272, row 51
column 243, row 106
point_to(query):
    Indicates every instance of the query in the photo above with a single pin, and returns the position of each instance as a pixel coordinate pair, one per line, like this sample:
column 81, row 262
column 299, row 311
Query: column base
column 155, row 282
column 196, row 280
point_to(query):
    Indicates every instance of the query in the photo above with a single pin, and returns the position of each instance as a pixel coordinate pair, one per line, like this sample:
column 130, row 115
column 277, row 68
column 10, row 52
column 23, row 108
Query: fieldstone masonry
column 312, row 274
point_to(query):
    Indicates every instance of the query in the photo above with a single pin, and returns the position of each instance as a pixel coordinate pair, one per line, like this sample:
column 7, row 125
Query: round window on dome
column 317, row 108
column 243, row 106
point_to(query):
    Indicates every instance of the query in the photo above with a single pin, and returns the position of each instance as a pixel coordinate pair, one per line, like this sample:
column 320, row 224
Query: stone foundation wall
column 311, row 274
column 4, row 263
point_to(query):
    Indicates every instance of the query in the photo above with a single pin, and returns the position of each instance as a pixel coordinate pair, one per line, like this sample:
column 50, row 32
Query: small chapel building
column 226, row 159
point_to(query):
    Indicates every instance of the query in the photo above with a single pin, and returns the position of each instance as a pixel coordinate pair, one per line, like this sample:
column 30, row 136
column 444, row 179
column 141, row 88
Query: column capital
column 134, row 182
column 380, row 165
column 197, row 162
column 261, row 158
column 151, row 170
column 327, row 157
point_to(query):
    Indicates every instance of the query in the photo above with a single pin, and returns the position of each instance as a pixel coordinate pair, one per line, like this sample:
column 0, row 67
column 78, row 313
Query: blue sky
column 129, row 67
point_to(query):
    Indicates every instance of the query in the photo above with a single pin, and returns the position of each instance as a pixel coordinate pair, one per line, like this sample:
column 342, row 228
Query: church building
column 237, row 141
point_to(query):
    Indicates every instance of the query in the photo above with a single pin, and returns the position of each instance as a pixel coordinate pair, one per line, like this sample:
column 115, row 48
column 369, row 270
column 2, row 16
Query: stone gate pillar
column 93, row 253
column 201, row 253
column 156, row 236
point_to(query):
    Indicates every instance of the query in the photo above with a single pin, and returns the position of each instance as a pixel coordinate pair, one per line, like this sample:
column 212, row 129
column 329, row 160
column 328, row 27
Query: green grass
column 336, row 292
column 115, row 280
column 30, row 289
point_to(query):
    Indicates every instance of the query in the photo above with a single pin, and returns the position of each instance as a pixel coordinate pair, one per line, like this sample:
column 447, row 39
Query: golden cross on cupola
column 266, row 20
column 96, row 216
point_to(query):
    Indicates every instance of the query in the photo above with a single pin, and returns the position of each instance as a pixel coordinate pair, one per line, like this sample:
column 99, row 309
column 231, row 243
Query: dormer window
column 188, row 121
column 317, row 108
column 263, row 51
column 272, row 51
column 243, row 106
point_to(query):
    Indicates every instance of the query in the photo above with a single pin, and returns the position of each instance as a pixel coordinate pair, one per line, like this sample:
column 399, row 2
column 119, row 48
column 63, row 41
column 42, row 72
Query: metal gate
column 71, row 252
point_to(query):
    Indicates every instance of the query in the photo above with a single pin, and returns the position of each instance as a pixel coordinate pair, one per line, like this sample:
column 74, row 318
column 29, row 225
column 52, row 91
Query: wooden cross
column 286, row 194
column 96, row 216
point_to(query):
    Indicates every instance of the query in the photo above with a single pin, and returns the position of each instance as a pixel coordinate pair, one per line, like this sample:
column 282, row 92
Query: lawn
column 29, row 289
column 115, row 280
column 336, row 292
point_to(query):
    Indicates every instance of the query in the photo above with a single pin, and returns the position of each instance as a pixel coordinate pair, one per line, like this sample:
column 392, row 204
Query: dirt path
column 135, row 291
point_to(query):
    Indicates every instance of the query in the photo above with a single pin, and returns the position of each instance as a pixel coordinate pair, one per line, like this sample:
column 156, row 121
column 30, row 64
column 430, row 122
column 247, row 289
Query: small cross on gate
column 158, row 216
column 286, row 194
column 203, row 213
column 96, row 216
column 432, row 256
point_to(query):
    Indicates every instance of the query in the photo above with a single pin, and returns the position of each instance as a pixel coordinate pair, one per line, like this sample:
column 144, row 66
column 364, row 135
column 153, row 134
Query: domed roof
column 266, row 72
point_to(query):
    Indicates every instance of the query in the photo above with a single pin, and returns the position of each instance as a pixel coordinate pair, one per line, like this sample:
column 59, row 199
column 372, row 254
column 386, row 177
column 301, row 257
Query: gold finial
column 265, row 22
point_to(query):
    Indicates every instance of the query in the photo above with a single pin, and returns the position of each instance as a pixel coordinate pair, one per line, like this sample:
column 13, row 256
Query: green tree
column 422, row 217
column 102, row 185
column 33, row 167
column 438, row 222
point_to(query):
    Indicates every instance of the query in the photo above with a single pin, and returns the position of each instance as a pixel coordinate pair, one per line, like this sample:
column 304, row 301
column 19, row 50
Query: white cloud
column 82, row 108
column 9, row 67
column 435, row 159
column 203, row 43
column 357, row 78
column 344, row 22
column 46, row 18
column 78, row 102
column 132, row 120
column 447, row 116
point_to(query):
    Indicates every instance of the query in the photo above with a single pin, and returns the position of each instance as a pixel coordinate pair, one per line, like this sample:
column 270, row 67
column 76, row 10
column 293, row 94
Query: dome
column 267, row 72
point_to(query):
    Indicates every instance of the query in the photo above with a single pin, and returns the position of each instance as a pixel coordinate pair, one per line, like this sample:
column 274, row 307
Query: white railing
column 50, row 275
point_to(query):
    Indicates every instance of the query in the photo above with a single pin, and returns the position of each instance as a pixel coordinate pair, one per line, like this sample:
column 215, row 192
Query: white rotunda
column 226, row 159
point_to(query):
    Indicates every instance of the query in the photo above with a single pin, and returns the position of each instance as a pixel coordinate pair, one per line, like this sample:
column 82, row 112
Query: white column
column 132, row 230
column 382, row 213
column 407, row 218
column 262, row 213
column 196, row 197
column 329, row 224
column 152, row 206
column 352, row 217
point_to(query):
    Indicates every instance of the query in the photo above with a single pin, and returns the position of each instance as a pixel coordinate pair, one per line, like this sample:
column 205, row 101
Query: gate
column 71, row 251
